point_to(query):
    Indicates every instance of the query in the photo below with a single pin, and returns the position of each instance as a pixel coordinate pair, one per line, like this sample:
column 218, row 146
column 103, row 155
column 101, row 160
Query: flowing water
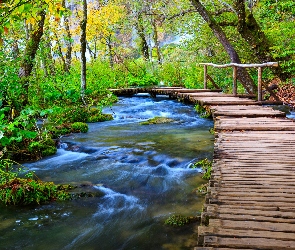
column 141, row 170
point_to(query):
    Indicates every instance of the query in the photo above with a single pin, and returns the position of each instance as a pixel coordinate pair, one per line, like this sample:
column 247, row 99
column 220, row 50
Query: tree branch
column 220, row 12
column 181, row 14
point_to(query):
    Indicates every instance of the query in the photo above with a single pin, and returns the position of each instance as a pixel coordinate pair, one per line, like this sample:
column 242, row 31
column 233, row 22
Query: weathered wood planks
column 246, row 111
column 251, row 199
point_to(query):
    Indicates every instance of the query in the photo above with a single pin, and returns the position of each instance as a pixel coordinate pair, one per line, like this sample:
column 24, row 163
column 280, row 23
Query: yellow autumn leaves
column 102, row 21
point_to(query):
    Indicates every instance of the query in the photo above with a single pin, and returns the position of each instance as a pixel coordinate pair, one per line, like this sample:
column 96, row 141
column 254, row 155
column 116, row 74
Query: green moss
column 212, row 131
column 179, row 220
column 202, row 189
column 206, row 166
column 67, row 128
column 100, row 117
column 77, row 127
column 43, row 148
column 157, row 120
column 15, row 190
column 49, row 151
column 204, row 111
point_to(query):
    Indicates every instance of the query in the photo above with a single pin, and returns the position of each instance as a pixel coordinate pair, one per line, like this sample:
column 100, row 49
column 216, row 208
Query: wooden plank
column 238, row 233
column 273, row 213
column 249, row 217
column 246, row 111
column 199, row 91
column 256, row 243
column 254, row 225
column 255, row 124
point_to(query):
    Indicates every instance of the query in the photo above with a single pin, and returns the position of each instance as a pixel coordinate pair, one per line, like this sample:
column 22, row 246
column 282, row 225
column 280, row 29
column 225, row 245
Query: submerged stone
column 157, row 120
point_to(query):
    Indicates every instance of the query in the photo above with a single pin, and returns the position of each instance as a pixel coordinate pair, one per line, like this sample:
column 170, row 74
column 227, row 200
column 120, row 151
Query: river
column 143, row 172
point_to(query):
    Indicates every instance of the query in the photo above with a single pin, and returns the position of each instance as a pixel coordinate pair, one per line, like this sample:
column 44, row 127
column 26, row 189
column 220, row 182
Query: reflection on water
column 142, row 171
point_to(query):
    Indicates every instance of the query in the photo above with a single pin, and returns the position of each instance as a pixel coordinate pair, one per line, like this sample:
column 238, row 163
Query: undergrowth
column 21, row 187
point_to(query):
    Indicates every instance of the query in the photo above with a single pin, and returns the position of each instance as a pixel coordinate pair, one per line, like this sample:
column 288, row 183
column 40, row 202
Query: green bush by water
column 206, row 166
column 16, row 190
column 180, row 220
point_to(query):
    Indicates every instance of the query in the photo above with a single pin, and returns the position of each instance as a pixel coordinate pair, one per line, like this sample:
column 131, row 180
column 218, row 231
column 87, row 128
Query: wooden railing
column 235, row 67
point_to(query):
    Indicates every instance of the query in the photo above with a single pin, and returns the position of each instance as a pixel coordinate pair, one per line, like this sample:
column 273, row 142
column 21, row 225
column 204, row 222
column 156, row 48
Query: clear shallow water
column 143, row 172
column 291, row 115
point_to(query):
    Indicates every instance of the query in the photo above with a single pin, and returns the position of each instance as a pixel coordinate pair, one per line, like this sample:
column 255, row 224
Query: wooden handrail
column 235, row 66
column 254, row 65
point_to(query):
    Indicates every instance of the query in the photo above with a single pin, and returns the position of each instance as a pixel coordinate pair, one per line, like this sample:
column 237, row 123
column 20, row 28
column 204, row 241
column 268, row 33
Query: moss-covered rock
column 100, row 117
column 42, row 148
column 180, row 220
column 77, row 127
column 204, row 111
column 157, row 120
column 50, row 150
column 67, row 128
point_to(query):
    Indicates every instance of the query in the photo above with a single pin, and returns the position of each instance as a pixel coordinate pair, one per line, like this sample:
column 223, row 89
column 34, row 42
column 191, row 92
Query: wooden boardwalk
column 251, row 196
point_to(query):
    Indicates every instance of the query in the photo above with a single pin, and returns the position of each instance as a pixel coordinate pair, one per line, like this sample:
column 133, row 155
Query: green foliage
column 67, row 128
column 202, row 189
column 21, row 138
column 69, row 114
column 72, row 114
column 206, row 166
column 43, row 147
column 179, row 220
column 143, row 81
column 15, row 190
column 172, row 74
column 79, row 127
column 98, row 117
column 203, row 111
column 212, row 131
column 277, row 21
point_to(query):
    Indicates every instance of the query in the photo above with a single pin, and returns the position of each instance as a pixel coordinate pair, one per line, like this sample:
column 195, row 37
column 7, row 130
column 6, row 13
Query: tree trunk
column 64, row 66
column 83, row 42
column 242, row 74
column 143, row 43
column 156, row 41
column 15, row 49
column 68, row 41
column 110, row 48
column 29, row 56
column 91, row 53
column 251, row 32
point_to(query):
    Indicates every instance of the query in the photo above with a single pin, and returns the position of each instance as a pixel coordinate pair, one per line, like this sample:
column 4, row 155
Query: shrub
column 206, row 166
column 15, row 190
column 79, row 127
column 179, row 220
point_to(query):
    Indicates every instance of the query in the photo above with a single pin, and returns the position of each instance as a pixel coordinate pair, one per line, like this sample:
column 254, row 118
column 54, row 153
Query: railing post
column 259, row 84
column 235, row 80
column 205, row 76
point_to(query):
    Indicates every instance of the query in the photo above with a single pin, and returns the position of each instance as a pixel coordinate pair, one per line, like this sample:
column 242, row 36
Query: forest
column 59, row 59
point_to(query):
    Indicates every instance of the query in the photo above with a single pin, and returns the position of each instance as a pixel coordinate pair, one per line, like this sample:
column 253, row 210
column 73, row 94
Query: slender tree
column 83, row 25
column 144, row 47
column 29, row 55
column 68, row 41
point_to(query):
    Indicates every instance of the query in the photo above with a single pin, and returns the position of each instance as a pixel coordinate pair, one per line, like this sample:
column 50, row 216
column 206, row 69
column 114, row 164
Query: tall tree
column 144, row 47
column 68, row 40
column 30, row 53
column 83, row 41
column 242, row 75
column 156, row 40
